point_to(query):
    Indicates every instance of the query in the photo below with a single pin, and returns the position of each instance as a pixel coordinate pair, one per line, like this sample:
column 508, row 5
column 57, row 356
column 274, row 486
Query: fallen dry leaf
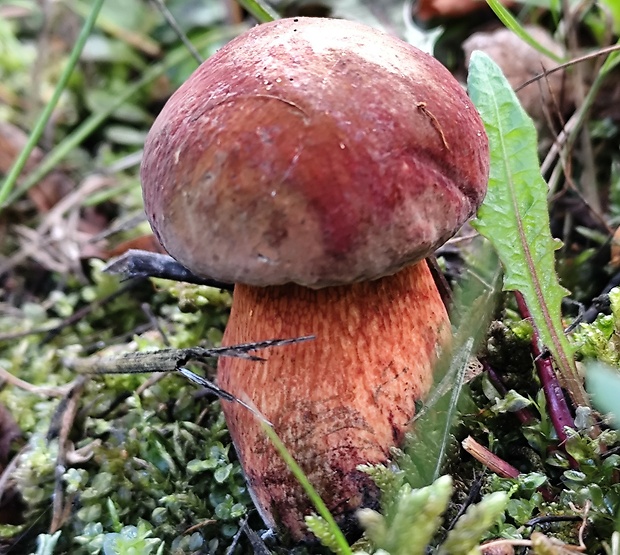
column 51, row 188
column 428, row 9
column 520, row 62
column 143, row 243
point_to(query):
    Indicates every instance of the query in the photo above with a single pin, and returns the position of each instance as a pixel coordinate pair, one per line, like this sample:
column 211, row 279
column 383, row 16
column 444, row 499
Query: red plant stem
column 557, row 406
column 524, row 415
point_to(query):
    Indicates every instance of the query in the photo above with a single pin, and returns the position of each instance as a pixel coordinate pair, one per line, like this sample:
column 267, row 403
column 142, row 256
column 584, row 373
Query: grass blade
column 515, row 216
column 46, row 114
column 260, row 10
column 309, row 489
column 90, row 124
column 513, row 24
column 475, row 300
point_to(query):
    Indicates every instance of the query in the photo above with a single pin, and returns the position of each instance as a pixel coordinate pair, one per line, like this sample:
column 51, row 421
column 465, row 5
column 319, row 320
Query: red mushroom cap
column 314, row 151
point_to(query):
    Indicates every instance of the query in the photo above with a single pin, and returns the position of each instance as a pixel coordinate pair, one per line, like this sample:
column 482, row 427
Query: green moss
column 162, row 471
column 601, row 339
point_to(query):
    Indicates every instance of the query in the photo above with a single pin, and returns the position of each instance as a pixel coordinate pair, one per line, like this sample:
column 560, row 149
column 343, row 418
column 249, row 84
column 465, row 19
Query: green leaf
column 474, row 303
column 614, row 9
column 511, row 402
column 261, row 10
column 513, row 24
column 46, row 543
column 514, row 215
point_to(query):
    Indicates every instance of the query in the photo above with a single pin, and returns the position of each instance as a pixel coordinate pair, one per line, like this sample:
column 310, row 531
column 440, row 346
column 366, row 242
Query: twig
column 235, row 541
column 199, row 525
column 81, row 313
column 472, row 495
column 179, row 32
column 601, row 302
column 170, row 360
column 491, row 461
column 566, row 138
column 74, row 318
column 549, row 519
column 42, row 391
column 588, row 179
column 257, row 543
column 60, row 510
column 174, row 360
column 137, row 263
column 585, row 58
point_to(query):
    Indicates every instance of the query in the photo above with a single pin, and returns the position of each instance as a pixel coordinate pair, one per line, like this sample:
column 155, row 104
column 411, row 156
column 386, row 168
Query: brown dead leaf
column 145, row 243
column 520, row 62
column 51, row 188
column 429, row 9
column 63, row 238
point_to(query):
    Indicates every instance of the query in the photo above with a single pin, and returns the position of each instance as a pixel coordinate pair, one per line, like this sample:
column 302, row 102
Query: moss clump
column 148, row 460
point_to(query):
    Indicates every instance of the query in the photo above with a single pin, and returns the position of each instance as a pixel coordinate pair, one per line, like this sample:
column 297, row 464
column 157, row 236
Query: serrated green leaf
column 514, row 215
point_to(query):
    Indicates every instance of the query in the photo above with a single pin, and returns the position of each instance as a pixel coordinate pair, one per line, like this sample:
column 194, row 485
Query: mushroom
column 315, row 163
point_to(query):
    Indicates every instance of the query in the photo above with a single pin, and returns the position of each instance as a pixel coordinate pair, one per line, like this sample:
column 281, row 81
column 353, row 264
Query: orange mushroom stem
column 339, row 401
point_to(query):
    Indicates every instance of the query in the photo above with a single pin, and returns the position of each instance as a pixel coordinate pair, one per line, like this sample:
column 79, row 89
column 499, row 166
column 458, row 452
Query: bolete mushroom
column 316, row 163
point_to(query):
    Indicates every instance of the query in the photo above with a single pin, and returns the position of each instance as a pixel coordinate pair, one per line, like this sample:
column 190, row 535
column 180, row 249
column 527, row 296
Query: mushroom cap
column 314, row 151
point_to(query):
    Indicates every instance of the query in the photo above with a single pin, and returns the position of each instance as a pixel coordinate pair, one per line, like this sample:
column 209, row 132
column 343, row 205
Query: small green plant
column 601, row 339
column 410, row 519
column 132, row 540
